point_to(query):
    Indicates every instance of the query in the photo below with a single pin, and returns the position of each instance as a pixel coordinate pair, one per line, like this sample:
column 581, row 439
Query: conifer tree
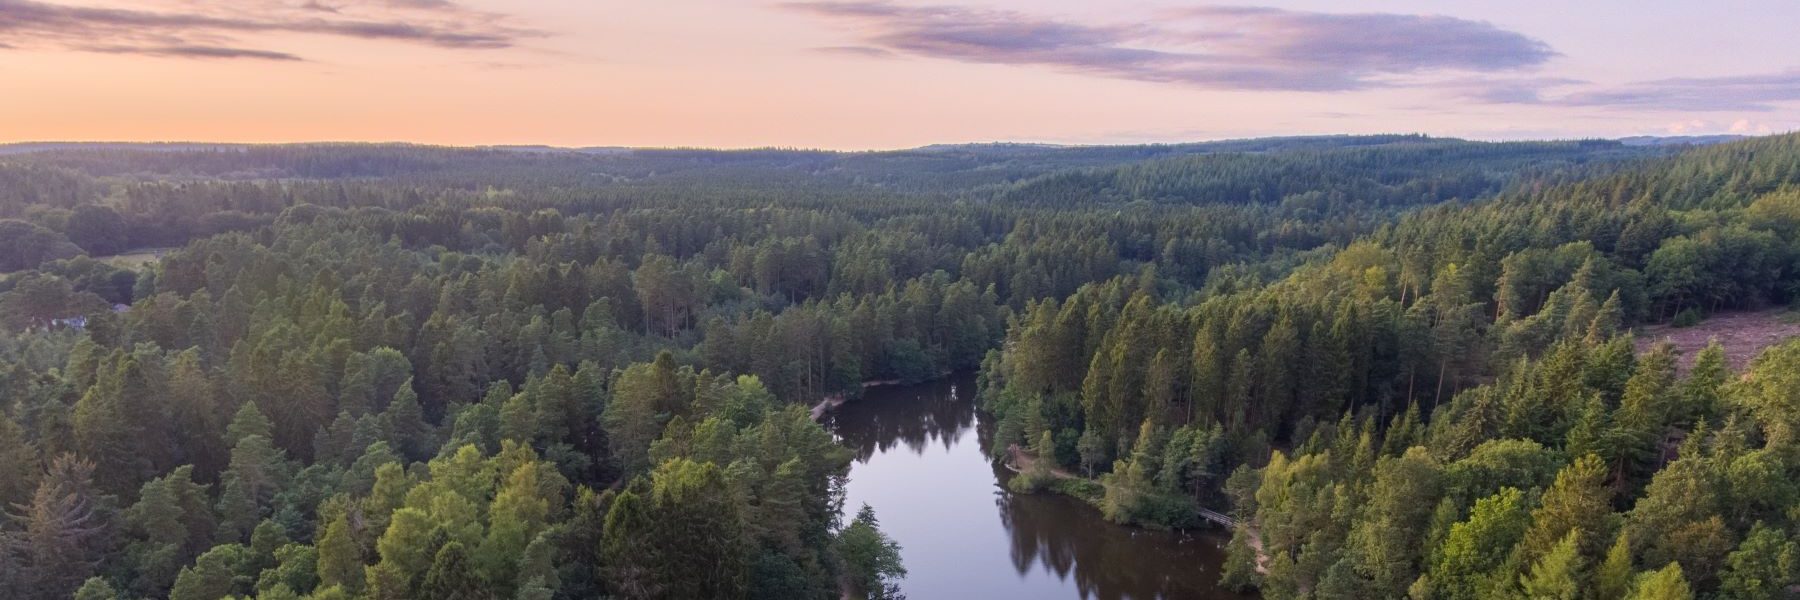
column 213, row 575
column 198, row 416
column 248, row 421
column 296, row 568
column 871, row 559
column 385, row 496
column 517, row 515
column 1406, row 490
column 1239, row 572
column 629, row 566
column 1556, row 576
column 340, row 561
column 257, row 472
column 406, row 419
column 19, row 466
column 1475, row 548
column 452, row 576
column 96, row 588
column 406, row 548
column 1666, row 583
column 105, row 431
column 632, row 418
column 172, row 524
column 1576, row 501
column 61, row 532
column 1700, row 392
column 518, row 418
column 1612, row 581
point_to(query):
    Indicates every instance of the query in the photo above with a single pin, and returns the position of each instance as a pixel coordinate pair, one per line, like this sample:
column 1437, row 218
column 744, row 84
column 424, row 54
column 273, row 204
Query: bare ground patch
column 1742, row 334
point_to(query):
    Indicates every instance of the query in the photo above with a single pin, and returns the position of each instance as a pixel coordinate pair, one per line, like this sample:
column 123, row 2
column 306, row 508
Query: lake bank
column 921, row 462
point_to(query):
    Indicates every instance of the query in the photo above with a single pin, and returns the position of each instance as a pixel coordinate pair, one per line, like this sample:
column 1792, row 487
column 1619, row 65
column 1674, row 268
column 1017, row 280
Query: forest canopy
column 1405, row 365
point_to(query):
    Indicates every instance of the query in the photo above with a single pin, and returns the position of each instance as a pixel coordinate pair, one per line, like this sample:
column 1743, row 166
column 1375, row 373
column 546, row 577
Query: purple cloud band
column 1270, row 49
column 208, row 31
column 1208, row 47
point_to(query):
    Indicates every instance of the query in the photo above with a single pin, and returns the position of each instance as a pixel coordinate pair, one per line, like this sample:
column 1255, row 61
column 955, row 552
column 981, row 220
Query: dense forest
column 1452, row 405
column 1405, row 365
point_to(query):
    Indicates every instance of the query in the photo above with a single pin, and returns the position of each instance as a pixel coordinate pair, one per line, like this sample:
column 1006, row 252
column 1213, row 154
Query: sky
column 881, row 74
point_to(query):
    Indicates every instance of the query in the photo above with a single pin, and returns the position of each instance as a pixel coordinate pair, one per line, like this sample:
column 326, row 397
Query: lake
column 921, row 462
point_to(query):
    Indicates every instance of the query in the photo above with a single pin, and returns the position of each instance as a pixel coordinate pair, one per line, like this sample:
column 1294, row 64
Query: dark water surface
column 921, row 463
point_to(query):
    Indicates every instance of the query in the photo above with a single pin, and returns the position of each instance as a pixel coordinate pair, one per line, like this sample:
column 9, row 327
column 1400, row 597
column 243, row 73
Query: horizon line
column 1048, row 144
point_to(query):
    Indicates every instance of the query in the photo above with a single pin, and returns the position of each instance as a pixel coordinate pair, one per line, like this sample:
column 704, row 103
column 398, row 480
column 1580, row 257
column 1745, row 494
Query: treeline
column 1397, row 172
column 1411, row 376
column 108, row 198
column 941, row 168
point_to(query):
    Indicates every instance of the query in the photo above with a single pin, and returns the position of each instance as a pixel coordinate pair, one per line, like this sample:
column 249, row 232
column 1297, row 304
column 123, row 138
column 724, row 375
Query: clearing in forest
column 1743, row 335
column 134, row 258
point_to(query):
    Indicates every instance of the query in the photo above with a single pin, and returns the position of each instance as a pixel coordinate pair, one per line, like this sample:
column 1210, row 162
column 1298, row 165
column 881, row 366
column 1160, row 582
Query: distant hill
column 32, row 147
column 540, row 148
column 1385, row 167
column 1384, row 170
column 1679, row 140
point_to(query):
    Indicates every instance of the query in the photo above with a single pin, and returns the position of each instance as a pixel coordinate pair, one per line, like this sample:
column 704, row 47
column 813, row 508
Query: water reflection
column 921, row 464
column 938, row 412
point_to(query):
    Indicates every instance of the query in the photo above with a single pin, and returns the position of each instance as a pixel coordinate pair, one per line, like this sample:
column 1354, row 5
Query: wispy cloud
column 226, row 30
column 856, row 51
column 1503, row 90
column 1241, row 48
column 193, row 52
column 1731, row 93
column 1728, row 93
column 1368, row 42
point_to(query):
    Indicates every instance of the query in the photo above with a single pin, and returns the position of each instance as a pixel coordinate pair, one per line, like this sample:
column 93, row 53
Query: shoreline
column 831, row 401
column 1019, row 461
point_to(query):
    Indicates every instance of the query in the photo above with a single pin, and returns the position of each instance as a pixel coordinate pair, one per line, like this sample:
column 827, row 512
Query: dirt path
column 1743, row 335
column 1262, row 556
column 1020, row 461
